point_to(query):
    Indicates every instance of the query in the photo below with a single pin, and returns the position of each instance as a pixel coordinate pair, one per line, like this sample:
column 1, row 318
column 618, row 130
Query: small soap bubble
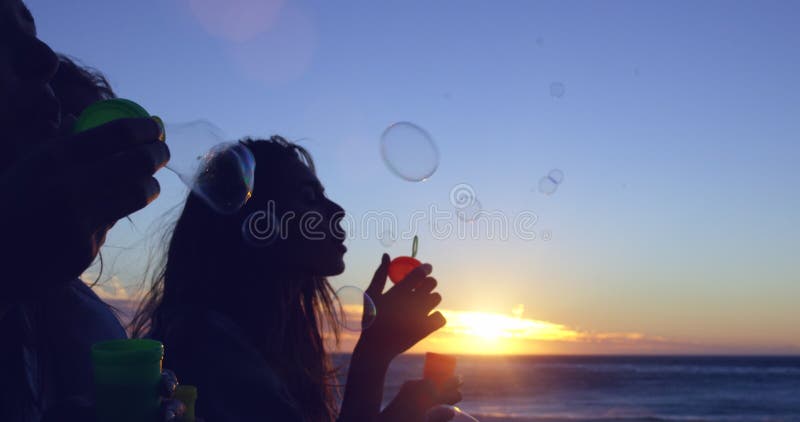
column 224, row 177
column 355, row 311
column 218, row 172
column 471, row 212
column 387, row 238
column 409, row 152
column 444, row 412
column 557, row 90
column 556, row 175
column 549, row 184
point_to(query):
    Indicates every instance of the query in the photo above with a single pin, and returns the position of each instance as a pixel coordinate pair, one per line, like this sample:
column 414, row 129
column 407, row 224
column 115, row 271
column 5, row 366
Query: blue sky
column 678, row 136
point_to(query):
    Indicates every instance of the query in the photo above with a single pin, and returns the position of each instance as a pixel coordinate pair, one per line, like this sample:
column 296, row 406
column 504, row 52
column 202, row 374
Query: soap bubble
column 470, row 212
column 556, row 175
column 448, row 413
column 409, row 151
column 261, row 228
column 549, row 184
column 356, row 310
column 464, row 199
column 387, row 238
column 218, row 172
column 557, row 90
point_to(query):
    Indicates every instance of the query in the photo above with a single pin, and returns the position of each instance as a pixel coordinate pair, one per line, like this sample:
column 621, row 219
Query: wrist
column 370, row 354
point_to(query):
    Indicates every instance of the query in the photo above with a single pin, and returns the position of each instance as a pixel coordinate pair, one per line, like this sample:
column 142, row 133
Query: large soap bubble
column 409, row 151
column 356, row 310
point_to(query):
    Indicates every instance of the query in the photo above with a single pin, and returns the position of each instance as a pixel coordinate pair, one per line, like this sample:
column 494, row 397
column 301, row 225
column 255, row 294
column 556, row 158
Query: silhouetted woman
column 244, row 323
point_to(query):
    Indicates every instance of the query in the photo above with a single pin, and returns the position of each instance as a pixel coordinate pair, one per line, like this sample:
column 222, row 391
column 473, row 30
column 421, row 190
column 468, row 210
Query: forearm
column 363, row 392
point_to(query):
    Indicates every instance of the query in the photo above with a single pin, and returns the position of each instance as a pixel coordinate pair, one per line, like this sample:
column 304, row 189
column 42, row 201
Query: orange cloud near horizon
column 485, row 333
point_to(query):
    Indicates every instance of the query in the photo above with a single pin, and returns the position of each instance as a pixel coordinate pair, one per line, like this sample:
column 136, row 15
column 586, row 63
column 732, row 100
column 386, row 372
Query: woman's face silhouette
column 29, row 112
column 313, row 239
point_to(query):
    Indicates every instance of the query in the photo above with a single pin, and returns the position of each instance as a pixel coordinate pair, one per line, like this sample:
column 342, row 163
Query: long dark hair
column 208, row 266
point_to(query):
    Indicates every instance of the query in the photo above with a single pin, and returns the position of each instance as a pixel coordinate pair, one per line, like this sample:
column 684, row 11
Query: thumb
column 378, row 282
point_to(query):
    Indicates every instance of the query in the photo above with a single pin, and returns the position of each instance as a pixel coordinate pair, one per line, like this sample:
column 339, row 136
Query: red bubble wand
column 402, row 265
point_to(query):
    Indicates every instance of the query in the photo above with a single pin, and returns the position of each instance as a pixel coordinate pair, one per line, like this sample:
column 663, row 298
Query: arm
column 65, row 195
column 403, row 319
column 364, row 389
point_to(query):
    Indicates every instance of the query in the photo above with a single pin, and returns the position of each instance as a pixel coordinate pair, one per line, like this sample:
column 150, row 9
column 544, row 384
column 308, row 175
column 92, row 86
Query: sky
column 677, row 134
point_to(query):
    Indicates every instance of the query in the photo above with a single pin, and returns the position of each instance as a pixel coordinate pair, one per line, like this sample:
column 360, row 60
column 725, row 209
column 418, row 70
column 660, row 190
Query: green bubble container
column 106, row 111
column 127, row 379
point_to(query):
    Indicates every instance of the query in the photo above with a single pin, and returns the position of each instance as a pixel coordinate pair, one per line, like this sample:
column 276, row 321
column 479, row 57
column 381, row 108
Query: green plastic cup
column 127, row 377
column 107, row 111
column 187, row 394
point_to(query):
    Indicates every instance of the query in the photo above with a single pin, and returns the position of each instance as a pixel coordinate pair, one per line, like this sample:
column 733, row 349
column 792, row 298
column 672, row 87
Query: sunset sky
column 674, row 231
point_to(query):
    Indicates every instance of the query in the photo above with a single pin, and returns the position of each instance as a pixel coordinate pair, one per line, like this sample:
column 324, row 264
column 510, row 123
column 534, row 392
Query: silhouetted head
column 29, row 112
column 275, row 290
column 286, row 190
column 78, row 87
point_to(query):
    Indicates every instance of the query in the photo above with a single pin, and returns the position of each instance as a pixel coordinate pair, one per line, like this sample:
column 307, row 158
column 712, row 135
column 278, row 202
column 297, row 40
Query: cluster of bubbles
column 549, row 184
column 463, row 198
column 355, row 310
column 220, row 173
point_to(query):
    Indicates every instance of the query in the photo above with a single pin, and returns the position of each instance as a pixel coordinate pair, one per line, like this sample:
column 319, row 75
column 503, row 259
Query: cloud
column 111, row 289
column 124, row 298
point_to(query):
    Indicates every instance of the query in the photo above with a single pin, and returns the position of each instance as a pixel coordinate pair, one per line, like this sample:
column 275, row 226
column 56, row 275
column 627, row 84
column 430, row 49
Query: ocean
column 625, row 388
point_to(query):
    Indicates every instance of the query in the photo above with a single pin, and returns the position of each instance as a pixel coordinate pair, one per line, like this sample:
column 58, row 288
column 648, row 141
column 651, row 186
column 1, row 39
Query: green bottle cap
column 106, row 111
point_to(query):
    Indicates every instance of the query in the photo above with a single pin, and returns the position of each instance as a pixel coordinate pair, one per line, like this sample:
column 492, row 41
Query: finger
column 125, row 200
column 431, row 301
column 378, row 282
column 434, row 322
column 440, row 414
column 449, row 391
column 169, row 382
column 426, row 286
column 413, row 278
column 171, row 410
column 111, row 138
column 134, row 163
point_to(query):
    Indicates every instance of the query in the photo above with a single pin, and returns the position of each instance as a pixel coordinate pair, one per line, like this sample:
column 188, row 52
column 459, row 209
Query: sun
column 489, row 333
column 485, row 325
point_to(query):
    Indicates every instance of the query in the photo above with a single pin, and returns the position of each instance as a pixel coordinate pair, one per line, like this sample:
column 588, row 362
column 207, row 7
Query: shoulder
column 234, row 381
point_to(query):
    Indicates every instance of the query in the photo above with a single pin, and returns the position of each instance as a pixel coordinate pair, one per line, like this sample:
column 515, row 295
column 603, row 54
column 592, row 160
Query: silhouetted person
column 244, row 323
column 60, row 195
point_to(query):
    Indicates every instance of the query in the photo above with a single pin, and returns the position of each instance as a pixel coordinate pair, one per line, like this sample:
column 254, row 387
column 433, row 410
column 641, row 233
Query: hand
column 417, row 397
column 78, row 409
column 402, row 317
column 61, row 199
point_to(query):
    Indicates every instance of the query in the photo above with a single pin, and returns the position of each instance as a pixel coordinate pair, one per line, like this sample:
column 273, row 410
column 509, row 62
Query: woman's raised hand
column 403, row 313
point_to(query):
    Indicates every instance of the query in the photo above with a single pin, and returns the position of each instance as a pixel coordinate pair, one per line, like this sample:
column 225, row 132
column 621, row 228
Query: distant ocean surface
column 606, row 388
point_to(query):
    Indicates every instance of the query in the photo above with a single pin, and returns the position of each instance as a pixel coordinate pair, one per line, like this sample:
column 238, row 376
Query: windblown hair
column 205, row 249
column 77, row 85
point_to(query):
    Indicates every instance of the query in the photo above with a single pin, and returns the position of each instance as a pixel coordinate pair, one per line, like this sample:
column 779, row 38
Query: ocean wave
column 673, row 369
